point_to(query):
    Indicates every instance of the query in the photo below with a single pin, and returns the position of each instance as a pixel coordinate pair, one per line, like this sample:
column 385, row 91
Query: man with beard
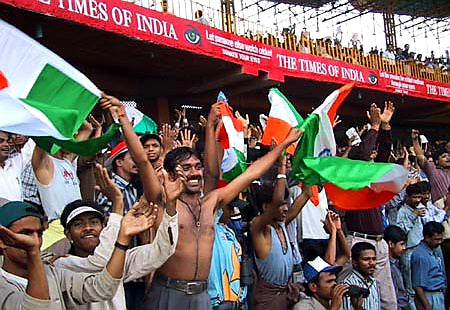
column 363, row 262
column 181, row 283
column 124, row 170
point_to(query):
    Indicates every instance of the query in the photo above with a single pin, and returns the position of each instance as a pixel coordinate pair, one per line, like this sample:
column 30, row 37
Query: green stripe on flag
column 65, row 102
column 305, row 148
column 346, row 173
column 146, row 125
column 238, row 169
column 84, row 148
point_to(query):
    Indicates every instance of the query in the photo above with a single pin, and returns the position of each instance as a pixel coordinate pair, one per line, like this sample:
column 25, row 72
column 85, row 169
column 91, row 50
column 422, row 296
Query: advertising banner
column 166, row 29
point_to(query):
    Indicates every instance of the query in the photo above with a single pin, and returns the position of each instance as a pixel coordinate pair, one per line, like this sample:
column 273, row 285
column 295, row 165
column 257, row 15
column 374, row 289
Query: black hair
column 431, row 228
column 438, row 152
column 149, row 136
column 174, row 157
column 308, row 291
column 359, row 247
column 74, row 205
column 424, row 186
column 394, row 234
column 121, row 156
column 413, row 189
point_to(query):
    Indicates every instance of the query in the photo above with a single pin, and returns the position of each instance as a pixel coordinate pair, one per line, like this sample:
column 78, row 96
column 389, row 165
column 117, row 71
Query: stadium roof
column 417, row 8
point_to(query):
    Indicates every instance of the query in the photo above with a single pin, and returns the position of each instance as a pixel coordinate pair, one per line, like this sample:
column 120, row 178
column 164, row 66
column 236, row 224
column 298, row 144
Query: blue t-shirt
column 427, row 269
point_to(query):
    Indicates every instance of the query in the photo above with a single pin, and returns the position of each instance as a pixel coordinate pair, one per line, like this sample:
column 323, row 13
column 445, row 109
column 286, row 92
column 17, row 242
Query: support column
column 389, row 24
column 162, row 107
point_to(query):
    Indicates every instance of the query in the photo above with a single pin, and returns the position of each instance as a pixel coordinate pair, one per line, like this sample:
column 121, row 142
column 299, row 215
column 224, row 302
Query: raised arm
column 299, row 203
column 226, row 194
column 150, row 181
column 212, row 169
column 42, row 165
column 37, row 286
column 417, row 148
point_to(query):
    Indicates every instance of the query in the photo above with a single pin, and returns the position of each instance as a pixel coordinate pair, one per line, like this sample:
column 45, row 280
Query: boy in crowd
column 396, row 239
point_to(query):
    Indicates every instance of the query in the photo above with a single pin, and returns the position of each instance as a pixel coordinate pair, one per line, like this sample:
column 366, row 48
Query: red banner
column 149, row 25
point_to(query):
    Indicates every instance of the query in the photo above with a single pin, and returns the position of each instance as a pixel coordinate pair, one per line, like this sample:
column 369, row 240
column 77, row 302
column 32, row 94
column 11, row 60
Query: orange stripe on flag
column 277, row 129
column 3, row 81
column 343, row 93
column 362, row 199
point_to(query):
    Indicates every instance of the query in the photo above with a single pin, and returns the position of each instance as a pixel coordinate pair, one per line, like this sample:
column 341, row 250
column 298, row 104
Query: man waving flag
column 43, row 96
column 350, row 184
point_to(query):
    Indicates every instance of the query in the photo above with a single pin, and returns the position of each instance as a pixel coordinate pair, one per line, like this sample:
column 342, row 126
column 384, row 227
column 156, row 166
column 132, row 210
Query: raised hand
column 140, row 218
column 202, row 121
column 167, row 139
column 328, row 224
column 16, row 240
column 374, row 115
column 113, row 105
column 214, row 114
column 106, row 186
column 293, row 136
column 97, row 125
column 337, row 295
column 174, row 186
column 336, row 220
column 337, row 121
column 388, row 111
column 188, row 139
column 415, row 134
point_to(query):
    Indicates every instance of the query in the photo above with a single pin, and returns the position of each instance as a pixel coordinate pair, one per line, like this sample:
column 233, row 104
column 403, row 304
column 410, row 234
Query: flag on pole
column 282, row 117
column 44, row 96
column 142, row 124
column 231, row 137
column 350, row 184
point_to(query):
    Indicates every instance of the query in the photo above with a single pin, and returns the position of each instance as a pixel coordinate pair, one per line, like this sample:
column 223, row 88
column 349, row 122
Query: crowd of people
column 150, row 224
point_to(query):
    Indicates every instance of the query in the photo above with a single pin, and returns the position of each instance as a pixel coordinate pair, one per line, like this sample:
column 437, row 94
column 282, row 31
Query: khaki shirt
column 309, row 304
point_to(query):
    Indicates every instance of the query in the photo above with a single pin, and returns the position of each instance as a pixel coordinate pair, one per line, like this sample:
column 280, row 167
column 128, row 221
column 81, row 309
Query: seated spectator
column 427, row 262
column 396, row 239
column 362, row 275
column 321, row 287
column 26, row 282
column 200, row 18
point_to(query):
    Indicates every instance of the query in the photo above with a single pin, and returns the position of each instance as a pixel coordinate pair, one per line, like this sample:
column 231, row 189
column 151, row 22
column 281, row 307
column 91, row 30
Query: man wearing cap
column 92, row 244
column 321, row 286
column 124, row 170
column 27, row 283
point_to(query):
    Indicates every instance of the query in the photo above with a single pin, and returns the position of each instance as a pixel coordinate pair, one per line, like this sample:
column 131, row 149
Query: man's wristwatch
column 121, row 246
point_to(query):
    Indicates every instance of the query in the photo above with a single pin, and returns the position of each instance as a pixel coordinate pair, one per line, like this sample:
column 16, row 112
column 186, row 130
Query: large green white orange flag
column 350, row 184
column 43, row 96
column 231, row 136
column 282, row 117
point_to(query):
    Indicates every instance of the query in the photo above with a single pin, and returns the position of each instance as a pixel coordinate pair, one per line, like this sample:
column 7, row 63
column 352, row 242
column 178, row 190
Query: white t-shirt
column 309, row 220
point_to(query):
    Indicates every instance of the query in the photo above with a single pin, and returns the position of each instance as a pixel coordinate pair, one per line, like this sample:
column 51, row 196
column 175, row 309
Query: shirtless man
column 181, row 283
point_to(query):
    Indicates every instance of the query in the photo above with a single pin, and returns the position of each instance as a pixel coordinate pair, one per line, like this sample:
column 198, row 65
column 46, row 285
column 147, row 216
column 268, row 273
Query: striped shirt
column 372, row 302
column 130, row 195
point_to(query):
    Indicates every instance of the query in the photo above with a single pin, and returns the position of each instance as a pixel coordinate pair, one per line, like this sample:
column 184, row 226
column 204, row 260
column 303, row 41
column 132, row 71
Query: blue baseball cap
column 313, row 268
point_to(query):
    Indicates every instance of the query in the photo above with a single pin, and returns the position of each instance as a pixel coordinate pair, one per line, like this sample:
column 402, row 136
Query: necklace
column 195, row 218
column 284, row 248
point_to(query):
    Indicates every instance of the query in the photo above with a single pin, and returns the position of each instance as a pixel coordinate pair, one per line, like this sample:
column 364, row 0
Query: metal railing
column 267, row 35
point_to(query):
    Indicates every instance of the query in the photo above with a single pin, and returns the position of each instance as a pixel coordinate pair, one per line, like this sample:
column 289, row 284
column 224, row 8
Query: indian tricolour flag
column 350, row 184
column 232, row 139
column 43, row 96
column 142, row 124
column 282, row 118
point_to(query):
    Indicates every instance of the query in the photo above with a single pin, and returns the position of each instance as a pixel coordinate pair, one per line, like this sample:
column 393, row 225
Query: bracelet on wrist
column 121, row 246
column 281, row 176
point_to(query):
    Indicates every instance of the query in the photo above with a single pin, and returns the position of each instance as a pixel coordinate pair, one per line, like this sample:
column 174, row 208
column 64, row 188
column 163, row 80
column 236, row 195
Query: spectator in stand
column 410, row 219
column 432, row 213
column 362, row 275
column 153, row 148
column 388, row 54
column 437, row 171
column 428, row 278
column 273, row 253
column 165, row 6
column 367, row 225
column 419, row 59
column 406, row 53
column 56, row 174
column 398, row 54
column 25, row 282
column 124, row 170
column 11, row 167
column 396, row 239
column 321, row 287
column 200, row 18
column 92, row 244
